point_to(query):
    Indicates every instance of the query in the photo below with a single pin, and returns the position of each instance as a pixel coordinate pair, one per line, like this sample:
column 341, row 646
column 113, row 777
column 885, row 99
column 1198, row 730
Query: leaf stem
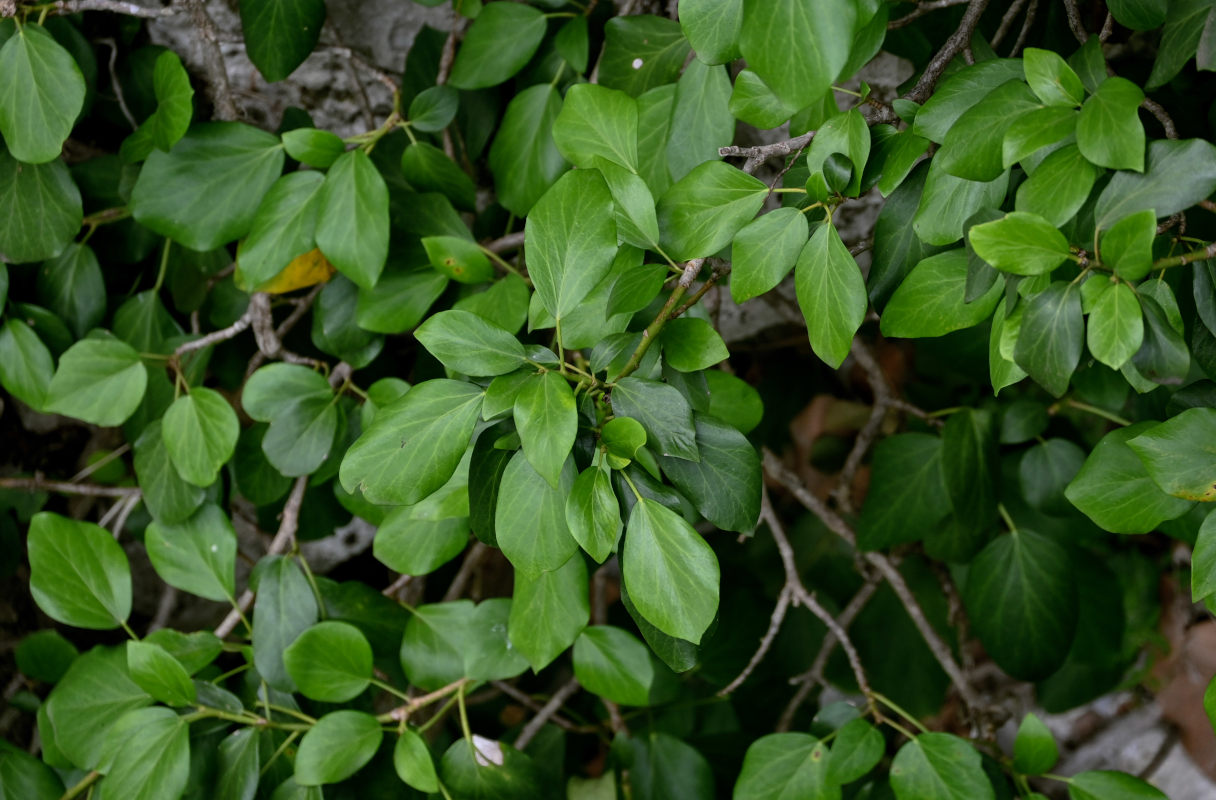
column 1186, row 258
column 164, row 265
column 388, row 687
column 1097, row 412
column 886, row 701
column 81, row 786
column 1004, row 512
column 688, row 275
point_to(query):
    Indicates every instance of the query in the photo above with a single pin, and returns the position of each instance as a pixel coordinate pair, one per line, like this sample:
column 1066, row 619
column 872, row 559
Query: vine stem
column 691, row 269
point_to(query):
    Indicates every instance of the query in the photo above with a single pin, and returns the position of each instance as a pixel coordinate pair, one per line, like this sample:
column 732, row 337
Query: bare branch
column 218, row 86
column 472, row 561
column 1074, row 21
column 1007, row 22
column 1030, row 14
column 869, row 432
column 38, row 484
column 761, row 153
column 1167, row 122
column 525, row 699
column 766, row 642
column 550, row 708
column 117, row 86
column 215, row 337
column 115, row 7
column 922, row 9
column 958, row 40
column 512, row 241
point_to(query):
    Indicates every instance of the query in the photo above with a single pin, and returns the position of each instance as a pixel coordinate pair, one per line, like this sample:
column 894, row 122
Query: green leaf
column 160, row 674
column 313, row 147
column 654, row 127
column 547, row 421
column 846, row 134
column 42, row 94
column 400, row 300
column 1110, row 785
column 907, row 499
column 931, row 300
column 797, row 48
column 973, row 147
column 636, row 222
column 433, row 109
column 464, row 342
column 524, row 159
column 299, row 405
column 169, row 499
column 857, row 750
column 573, row 43
column 1128, row 246
column 712, row 28
column 1035, row 130
column 418, row 539
column 1034, row 749
column 1180, row 456
column 662, row 766
column 193, row 651
column 613, row 664
column 960, row 92
column 84, row 706
column 1058, row 187
column 1114, row 489
column 352, row 218
column 1109, row 132
column 285, row 607
column 663, row 412
column 337, row 747
column 593, row 514
column 1163, row 358
column 1022, row 603
column 1177, row 175
column 1044, row 472
column 490, row 656
column 200, row 432
column 897, row 248
column 1049, row 75
column 1021, row 243
column 145, row 324
column 428, row 169
column 642, row 52
column 1139, row 15
column 764, row 252
column 530, row 519
column 71, row 285
column 691, row 345
column 948, row 202
column 239, row 764
column 414, row 444
column 782, row 765
column 174, row 110
column 44, row 210
column 753, row 102
column 78, row 574
column 893, row 159
column 725, row 484
column 1049, row 346
column 570, row 240
column 1203, row 564
column 458, row 259
column 330, row 662
column 148, row 756
column 701, row 121
column 548, row 612
column 702, row 212
column 501, row 41
column 44, row 656
column 1116, row 326
column 280, row 34
column 283, row 228
column 596, row 122
column 207, row 189
column 436, row 640
column 831, row 294
column 25, row 363
column 970, row 471
column 23, row 777
column 196, row 556
column 1184, row 26
column 412, row 760
column 484, row 769
column 939, row 766
column 671, row 573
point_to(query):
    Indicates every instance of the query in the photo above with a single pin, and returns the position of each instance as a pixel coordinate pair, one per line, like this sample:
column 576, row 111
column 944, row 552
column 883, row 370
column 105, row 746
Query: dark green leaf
column 169, row 498
column 25, row 363
column 1139, row 15
column 939, row 766
column 239, row 765
column 1177, row 175
column 907, row 498
column 498, row 45
column 279, row 34
column 701, row 121
column 23, row 777
column 641, row 52
column 1203, row 565
column 960, row 92
column 1058, row 187
column 613, row 664
column 831, row 294
column 78, row 574
column 428, row 169
column 196, row 556
column 1110, row 785
column 1128, row 246
column 1045, row 470
column 330, row 662
column 44, row 210
column 691, row 345
column 400, row 300
column 796, row 48
column 973, row 147
column 337, row 747
column 434, row 109
column 530, row 518
column 192, row 650
column 948, row 202
column 148, row 756
column 725, row 484
column 857, row 749
column 42, row 94
column 548, row 612
column 85, row 705
column 174, row 109
column 300, row 407
column 593, row 514
column 663, row 412
column 573, row 44
column 524, row 159
column 932, row 299
column 491, row 656
column 785, row 765
column 970, row 471
column 436, row 639
column 1049, row 346
column 72, row 286
column 44, row 656
column 285, row 608
column 1163, row 358
column 484, row 769
column 352, row 218
column 1184, row 25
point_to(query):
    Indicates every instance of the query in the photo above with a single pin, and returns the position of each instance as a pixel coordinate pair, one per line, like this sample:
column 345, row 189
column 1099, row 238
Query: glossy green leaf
column 1180, row 456
column 1045, row 470
column 701, row 121
column 283, row 227
column 1128, row 246
column 500, row 42
column 434, row 109
column 1203, row 562
column 44, row 209
column 78, row 574
column 400, row 300
column 160, row 674
column 71, row 285
column 484, row 769
column 939, row 766
column 491, row 656
column 279, row 34
column 285, row 607
column 168, row 497
column 857, row 749
column 42, row 94
column 663, row 412
column 1116, row 327
column 1035, row 130
column 299, row 405
column 524, row 159
column 948, row 202
column 1049, row 75
column 1059, row 186
column 797, row 48
column 548, row 612
column 174, row 110
column 671, row 573
column 573, row 43
column 931, row 300
column 337, row 747
column 148, row 756
column 753, row 102
column 691, row 345
column 207, row 189
column 23, row 777
column 907, row 498
column 642, row 52
column 197, row 555
column 458, row 258
column 1049, row 346
column 1111, row 785
column 782, row 765
column 831, row 294
column 412, row 760
column 418, row 539
column 44, row 656
column 961, row 91
column 612, row 663
column 970, row 472
column 25, row 363
column 85, row 705
column 701, row 213
column 414, row 444
column 725, row 484
column 1115, row 491
column 200, row 432
column 330, row 662
column 1177, row 175
column 570, row 240
column 1034, row 749
column 593, row 514
column 428, row 169
column 530, row 519
column 435, row 642
column 1109, row 132
column 972, row 149
column 352, row 218
column 313, row 147
column 464, row 342
column 636, row 221
column 712, row 28
column 193, row 651
column 596, row 122
column 547, row 421
column 1021, row 243
column 239, row 764
column 893, row 160
column 1139, row 15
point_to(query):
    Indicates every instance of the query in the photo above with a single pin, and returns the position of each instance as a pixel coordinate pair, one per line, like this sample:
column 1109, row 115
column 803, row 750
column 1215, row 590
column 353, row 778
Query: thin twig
column 124, row 513
column 958, row 40
column 114, row 83
column 526, row 700
column 215, row 337
column 1074, row 21
column 870, row 430
column 113, row 6
column 766, row 642
column 1167, row 122
column 922, row 9
column 164, row 609
column 759, row 154
column 394, row 588
column 1007, row 22
column 283, row 540
column 1026, row 23
column 472, row 561
column 512, row 241
column 218, row 86
column 39, row 484
column 550, row 708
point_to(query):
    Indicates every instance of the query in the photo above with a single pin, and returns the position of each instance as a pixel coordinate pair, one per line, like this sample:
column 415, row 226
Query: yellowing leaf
column 303, row 271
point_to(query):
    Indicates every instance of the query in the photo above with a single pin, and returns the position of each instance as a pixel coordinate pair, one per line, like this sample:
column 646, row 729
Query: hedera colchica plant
column 487, row 328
